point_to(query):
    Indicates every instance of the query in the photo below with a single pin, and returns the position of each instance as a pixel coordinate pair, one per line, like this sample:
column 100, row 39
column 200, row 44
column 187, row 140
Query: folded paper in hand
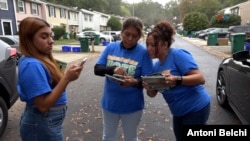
column 115, row 78
column 157, row 80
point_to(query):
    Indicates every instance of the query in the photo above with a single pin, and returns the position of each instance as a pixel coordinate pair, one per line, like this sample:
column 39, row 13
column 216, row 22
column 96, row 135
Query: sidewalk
column 219, row 51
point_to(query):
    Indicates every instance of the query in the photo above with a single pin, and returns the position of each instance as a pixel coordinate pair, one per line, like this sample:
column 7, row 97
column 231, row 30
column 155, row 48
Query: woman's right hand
column 150, row 92
column 120, row 70
column 73, row 72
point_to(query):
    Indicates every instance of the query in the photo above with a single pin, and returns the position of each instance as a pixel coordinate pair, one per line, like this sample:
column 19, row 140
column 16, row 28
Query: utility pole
column 133, row 10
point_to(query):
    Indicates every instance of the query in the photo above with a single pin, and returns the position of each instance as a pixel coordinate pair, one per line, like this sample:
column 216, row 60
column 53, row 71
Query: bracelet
column 179, row 80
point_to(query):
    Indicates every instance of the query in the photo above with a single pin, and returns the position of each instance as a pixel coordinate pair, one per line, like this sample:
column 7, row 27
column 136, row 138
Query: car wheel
column 3, row 116
column 221, row 90
column 206, row 38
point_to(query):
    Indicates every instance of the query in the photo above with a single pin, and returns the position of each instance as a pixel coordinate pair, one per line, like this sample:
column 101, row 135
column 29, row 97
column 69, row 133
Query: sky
column 163, row 2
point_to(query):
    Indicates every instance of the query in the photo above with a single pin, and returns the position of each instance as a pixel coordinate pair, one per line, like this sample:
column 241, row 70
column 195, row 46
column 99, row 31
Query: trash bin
column 238, row 42
column 185, row 33
column 180, row 32
column 97, row 40
column 212, row 39
column 66, row 48
column 65, row 35
column 193, row 34
column 247, row 46
column 84, row 42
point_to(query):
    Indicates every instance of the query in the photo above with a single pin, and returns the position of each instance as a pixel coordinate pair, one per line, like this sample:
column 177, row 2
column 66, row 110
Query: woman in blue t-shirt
column 185, row 93
column 124, row 101
column 40, row 84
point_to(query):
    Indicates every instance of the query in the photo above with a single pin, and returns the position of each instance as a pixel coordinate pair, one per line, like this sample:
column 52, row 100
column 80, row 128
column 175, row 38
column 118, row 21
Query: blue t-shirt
column 136, row 62
column 34, row 80
column 182, row 99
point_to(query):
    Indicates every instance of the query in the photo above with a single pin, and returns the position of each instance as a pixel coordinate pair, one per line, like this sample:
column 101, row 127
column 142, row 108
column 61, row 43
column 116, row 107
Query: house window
column 76, row 16
column 3, row 4
column 52, row 11
column 34, row 9
column 90, row 18
column 85, row 17
column 20, row 7
column 68, row 14
column 63, row 13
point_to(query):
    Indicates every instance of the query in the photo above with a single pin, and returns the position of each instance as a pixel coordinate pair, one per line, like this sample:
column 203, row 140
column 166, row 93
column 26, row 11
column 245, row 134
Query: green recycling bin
column 212, row 39
column 97, row 40
column 84, row 42
column 238, row 42
column 65, row 35
column 185, row 33
column 193, row 34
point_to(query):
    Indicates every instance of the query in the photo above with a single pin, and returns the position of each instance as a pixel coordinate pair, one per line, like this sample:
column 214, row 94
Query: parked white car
column 102, row 36
column 115, row 34
column 13, row 41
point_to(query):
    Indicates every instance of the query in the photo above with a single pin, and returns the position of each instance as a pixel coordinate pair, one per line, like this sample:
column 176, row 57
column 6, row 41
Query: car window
column 240, row 29
column 7, row 40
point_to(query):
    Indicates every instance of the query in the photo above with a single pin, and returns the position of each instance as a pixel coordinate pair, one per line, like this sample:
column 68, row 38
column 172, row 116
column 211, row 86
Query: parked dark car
column 232, row 86
column 239, row 29
column 222, row 33
column 8, row 90
column 201, row 32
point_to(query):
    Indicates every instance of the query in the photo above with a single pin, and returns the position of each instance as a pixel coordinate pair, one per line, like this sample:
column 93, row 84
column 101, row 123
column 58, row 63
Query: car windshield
column 16, row 37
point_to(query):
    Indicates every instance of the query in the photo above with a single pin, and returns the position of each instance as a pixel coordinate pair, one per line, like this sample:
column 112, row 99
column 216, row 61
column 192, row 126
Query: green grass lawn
column 66, row 41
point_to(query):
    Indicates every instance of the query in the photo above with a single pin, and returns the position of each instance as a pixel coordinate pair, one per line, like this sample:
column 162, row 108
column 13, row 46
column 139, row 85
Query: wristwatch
column 179, row 80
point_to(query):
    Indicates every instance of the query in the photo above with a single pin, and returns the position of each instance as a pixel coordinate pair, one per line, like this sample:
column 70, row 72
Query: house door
column 7, row 28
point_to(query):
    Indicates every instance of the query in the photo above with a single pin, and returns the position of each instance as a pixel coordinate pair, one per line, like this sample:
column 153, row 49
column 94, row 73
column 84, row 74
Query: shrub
column 58, row 32
column 195, row 21
column 227, row 20
column 114, row 24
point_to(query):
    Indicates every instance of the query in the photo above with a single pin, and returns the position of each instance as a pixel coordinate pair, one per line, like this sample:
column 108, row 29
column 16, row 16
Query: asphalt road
column 84, row 120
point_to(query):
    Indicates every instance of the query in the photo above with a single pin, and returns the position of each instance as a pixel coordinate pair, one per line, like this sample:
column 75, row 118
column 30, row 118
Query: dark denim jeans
column 196, row 118
column 37, row 126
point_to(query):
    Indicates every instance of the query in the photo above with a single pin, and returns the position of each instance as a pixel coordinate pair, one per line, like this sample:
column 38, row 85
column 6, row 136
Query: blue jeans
column 130, row 123
column 196, row 118
column 37, row 126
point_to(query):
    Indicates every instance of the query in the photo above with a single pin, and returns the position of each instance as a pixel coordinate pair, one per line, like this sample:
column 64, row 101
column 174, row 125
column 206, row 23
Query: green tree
column 228, row 3
column 125, row 11
column 114, row 23
column 150, row 12
column 114, row 7
column 195, row 21
column 207, row 7
column 172, row 12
